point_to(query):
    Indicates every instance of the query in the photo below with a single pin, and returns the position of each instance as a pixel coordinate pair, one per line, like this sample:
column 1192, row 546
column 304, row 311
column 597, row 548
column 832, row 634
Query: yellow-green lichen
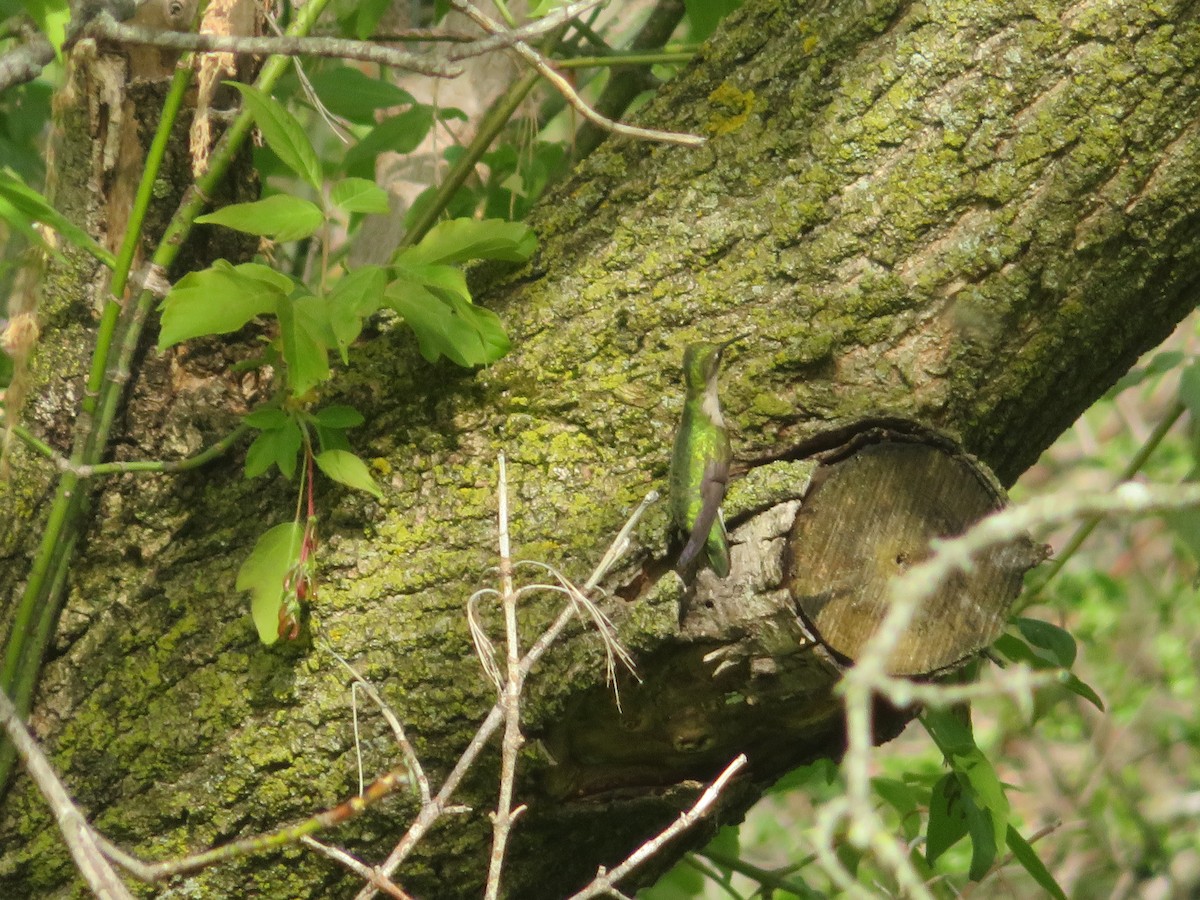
column 731, row 109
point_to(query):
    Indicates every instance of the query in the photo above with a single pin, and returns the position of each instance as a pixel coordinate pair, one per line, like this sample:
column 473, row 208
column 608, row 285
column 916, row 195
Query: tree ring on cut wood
column 868, row 517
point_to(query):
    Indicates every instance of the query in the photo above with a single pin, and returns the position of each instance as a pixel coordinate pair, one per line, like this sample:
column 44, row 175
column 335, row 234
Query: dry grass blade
column 484, row 648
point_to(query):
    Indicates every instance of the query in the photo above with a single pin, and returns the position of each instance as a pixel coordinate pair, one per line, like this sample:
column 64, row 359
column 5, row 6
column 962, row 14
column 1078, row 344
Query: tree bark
column 951, row 226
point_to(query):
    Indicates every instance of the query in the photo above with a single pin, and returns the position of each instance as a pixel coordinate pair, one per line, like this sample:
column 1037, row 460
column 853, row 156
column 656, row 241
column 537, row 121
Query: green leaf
column 947, row 818
column 401, row 133
column 338, row 417
column 280, row 217
column 1028, row 858
column 445, row 281
column 1185, row 523
column 351, row 300
column 459, row 240
column 1055, row 641
column 448, row 326
column 1015, row 649
column 264, row 574
column 36, row 208
column 267, row 417
column 898, row 795
column 983, row 788
column 1189, row 389
column 981, row 824
column 347, row 92
column 369, row 14
column 51, row 17
column 903, row 799
column 306, row 335
column 1158, row 364
column 282, row 133
column 348, row 469
column 278, row 446
column 332, row 438
column 219, row 300
column 489, row 330
column 705, row 14
column 359, row 195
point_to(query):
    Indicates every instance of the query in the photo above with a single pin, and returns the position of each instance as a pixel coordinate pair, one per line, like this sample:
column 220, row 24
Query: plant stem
column 1087, row 526
column 45, row 591
column 491, row 126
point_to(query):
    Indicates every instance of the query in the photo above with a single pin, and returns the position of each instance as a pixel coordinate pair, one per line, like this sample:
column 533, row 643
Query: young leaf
column 280, row 217
column 280, row 446
column 264, row 574
column 282, row 133
column 947, row 819
column 346, row 468
column 350, row 93
column 219, row 300
column 306, row 337
column 359, row 195
column 1029, row 860
column 338, row 417
column 27, row 202
column 352, row 299
column 459, row 240
column 266, row 417
column 466, row 334
column 400, row 134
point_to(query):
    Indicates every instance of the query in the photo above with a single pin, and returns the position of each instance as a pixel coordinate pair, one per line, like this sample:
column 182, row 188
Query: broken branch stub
column 872, row 514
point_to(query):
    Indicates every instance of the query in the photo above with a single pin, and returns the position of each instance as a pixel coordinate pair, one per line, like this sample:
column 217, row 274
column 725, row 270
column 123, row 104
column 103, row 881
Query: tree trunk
column 951, row 227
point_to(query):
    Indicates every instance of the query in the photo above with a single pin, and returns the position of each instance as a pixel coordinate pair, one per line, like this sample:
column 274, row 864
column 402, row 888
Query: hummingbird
column 700, row 462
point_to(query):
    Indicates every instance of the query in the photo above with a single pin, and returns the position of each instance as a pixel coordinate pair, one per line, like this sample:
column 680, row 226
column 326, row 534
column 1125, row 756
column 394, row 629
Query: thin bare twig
column 79, row 836
column 431, row 812
column 510, row 700
column 605, row 881
column 563, row 86
column 410, row 754
column 506, row 37
column 105, row 26
column 359, row 868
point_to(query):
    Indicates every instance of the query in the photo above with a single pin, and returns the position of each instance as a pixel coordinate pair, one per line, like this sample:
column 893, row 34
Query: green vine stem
column 42, row 600
column 491, row 126
column 132, row 467
column 624, row 58
column 1085, row 529
column 42, row 597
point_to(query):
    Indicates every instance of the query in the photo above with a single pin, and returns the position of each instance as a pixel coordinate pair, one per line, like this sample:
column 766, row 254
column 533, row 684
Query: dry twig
column 543, row 67
column 605, row 881
column 79, row 836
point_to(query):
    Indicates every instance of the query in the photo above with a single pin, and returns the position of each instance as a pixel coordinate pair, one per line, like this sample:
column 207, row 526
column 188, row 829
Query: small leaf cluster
column 423, row 284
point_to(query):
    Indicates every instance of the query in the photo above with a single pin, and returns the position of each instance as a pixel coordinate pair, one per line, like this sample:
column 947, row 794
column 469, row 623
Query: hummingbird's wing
column 712, row 492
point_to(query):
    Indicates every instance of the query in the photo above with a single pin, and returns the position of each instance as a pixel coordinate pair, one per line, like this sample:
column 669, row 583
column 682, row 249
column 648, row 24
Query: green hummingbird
column 700, row 462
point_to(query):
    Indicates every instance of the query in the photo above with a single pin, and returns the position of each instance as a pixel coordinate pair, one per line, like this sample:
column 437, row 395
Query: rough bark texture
column 967, row 215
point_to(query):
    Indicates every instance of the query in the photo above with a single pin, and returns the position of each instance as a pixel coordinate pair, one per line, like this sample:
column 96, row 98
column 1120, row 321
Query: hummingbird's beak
column 733, row 340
